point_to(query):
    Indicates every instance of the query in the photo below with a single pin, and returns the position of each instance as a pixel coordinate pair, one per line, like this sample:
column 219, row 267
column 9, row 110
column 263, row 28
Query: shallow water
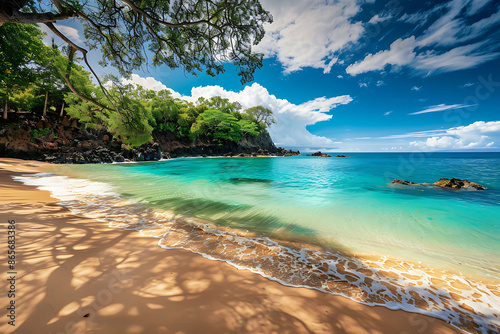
column 337, row 222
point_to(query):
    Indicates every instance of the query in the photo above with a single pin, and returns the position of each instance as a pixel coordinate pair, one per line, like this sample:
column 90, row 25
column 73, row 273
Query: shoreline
column 72, row 266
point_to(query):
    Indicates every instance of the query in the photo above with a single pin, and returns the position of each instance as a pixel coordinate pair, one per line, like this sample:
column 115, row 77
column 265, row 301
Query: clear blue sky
column 369, row 75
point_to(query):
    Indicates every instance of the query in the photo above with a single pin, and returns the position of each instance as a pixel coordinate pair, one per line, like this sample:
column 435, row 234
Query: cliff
column 62, row 141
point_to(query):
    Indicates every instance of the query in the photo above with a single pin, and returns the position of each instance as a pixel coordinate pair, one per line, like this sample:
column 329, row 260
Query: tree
column 261, row 115
column 215, row 125
column 220, row 103
column 49, row 74
column 164, row 111
column 26, row 98
column 248, row 127
column 20, row 47
column 192, row 34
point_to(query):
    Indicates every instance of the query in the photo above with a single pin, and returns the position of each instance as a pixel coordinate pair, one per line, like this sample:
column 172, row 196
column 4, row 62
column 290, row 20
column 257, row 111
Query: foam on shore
column 466, row 303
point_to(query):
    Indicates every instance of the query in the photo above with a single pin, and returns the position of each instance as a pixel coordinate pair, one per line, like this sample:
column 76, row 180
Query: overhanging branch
column 84, row 53
column 21, row 17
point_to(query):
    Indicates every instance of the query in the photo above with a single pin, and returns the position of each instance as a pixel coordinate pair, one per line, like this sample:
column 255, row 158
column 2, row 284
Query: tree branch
column 168, row 24
column 84, row 53
column 21, row 17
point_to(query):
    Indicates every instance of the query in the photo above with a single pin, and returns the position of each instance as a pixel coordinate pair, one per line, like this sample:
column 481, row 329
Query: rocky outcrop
column 341, row 156
column 458, row 184
column 319, row 154
column 403, row 182
column 63, row 142
column 445, row 183
column 248, row 146
column 96, row 156
column 146, row 152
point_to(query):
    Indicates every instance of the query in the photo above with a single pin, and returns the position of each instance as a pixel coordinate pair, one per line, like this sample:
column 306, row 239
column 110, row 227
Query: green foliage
column 219, row 103
column 20, row 46
column 261, row 115
column 26, row 99
column 38, row 133
column 249, row 127
column 131, row 122
column 216, row 125
column 29, row 68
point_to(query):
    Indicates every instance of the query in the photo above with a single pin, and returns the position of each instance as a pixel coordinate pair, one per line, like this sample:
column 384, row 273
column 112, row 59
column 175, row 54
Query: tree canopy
column 261, row 115
column 195, row 35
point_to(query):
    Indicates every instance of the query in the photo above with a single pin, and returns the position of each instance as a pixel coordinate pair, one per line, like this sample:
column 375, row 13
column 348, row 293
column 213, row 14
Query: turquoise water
column 346, row 203
column 333, row 224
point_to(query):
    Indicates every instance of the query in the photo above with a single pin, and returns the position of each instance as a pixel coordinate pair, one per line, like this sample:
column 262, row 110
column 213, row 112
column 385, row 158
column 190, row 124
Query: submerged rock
column 341, row 156
column 458, row 184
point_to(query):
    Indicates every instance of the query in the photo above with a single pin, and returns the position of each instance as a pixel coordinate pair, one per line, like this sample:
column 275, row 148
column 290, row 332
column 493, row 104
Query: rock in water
column 404, row 182
column 458, row 184
column 341, row 156
column 319, row 154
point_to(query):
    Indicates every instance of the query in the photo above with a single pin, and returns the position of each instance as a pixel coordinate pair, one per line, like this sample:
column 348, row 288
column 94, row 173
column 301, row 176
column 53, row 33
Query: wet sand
column 70, row 266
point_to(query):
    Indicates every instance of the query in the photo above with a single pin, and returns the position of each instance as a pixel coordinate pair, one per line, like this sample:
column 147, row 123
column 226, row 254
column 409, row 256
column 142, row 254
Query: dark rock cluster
column 452, row 183
column 458, row 184
column 319, row 154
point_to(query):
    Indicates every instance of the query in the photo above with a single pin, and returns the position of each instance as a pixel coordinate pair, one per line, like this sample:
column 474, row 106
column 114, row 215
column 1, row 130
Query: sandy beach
column 76, row 275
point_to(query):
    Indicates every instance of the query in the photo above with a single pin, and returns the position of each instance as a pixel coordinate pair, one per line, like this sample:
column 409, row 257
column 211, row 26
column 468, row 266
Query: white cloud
column 387, row 113
column 459, row 58
column 440, row 107
column 475, row 129
column 441, row 47
column 476, row 135
column 363, row 84
column 417, row 134
column 378, row 18
column 149, row 83
column 70, row 32
column 400, row 53
column 309, row 33
column 416, row 89
column 420, row 18
column 476, row 5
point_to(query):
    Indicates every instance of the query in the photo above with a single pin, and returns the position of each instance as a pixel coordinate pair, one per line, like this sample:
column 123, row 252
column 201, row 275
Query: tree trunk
column 5, row 108
column 62, row 110
column 45, row 105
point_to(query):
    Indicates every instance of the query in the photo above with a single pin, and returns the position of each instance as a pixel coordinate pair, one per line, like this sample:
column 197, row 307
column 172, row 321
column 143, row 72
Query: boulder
column 404, row 182
column 341, row 156
column 458, row 184
column 445, row 183
column 319, row 154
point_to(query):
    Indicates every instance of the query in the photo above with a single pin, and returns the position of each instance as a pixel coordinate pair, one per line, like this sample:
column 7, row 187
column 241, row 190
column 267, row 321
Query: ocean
column 333, row 224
